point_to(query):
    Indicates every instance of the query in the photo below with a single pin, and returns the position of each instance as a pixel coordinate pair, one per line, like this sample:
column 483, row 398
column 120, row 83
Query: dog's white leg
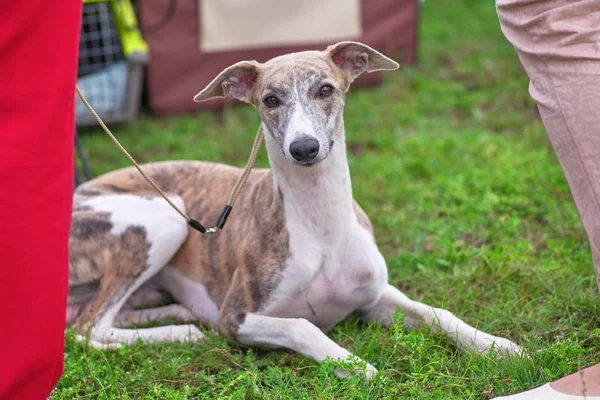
column 295, row 334
column 170, row 333
column 98, row 345
column 463, row 335
column 178, row 312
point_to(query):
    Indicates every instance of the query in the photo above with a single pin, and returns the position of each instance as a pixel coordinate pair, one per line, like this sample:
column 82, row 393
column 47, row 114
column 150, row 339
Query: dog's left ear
column 354, row 58
column 236, row 81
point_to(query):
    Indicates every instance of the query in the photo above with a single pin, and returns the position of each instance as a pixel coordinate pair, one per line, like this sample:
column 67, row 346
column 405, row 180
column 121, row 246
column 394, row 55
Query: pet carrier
column 112, row 55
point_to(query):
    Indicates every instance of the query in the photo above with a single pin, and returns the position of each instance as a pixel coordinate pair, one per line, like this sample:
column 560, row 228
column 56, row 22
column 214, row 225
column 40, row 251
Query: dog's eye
column 271, row 101
column 325, row 90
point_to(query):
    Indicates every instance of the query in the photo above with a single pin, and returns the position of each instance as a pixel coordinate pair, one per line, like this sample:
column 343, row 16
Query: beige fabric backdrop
column 227, row 25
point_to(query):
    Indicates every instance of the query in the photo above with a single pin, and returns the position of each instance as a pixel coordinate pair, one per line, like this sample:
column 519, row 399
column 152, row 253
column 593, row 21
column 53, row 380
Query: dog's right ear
column 236, row 81
column 355, row 58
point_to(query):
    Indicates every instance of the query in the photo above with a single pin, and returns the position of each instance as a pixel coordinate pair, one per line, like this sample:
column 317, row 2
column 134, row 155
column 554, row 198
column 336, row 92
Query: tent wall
column 182, row 61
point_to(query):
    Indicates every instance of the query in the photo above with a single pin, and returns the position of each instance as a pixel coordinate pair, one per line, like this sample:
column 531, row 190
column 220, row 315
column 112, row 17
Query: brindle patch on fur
column 86, row 227
column 112, row 260
column 88, row 192
column 362, row 218
column 233, row 312
column 266, row 251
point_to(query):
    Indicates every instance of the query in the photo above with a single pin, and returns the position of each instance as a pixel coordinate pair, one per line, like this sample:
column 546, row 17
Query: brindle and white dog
column 298, row 254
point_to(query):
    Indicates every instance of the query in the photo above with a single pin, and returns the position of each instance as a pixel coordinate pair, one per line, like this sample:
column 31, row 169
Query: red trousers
column 39, row 41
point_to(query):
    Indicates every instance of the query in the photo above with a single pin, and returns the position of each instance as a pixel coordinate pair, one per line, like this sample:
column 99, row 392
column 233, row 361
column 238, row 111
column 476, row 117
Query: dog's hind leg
column 466, row 337
column 145, row 235
column 147, row 296
column 100, row 316
column 127, row 318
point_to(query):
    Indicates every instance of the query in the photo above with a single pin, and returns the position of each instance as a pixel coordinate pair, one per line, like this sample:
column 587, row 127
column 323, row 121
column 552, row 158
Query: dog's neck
column 317, row 197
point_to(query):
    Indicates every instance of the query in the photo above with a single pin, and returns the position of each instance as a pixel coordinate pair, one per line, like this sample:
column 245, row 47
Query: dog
column 298, row 254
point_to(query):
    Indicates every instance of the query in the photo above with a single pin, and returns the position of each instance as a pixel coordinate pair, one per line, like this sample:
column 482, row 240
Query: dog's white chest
column 325, row 282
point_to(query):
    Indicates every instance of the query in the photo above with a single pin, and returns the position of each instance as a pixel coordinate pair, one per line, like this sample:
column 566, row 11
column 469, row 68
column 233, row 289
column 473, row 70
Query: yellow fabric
column 131, row 38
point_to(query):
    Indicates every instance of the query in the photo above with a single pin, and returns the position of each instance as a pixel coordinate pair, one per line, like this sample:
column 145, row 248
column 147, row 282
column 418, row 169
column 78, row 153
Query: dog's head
column 300, row 96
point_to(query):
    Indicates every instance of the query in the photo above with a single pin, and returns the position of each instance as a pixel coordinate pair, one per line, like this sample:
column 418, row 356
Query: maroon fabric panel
column 178, row 70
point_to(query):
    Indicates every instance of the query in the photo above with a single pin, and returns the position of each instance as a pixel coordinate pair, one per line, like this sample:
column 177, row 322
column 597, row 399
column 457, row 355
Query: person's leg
column 557, row 42
column 39, row 41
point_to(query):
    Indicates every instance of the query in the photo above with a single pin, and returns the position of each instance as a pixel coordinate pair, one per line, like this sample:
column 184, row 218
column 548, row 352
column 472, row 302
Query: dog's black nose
column 305, row 148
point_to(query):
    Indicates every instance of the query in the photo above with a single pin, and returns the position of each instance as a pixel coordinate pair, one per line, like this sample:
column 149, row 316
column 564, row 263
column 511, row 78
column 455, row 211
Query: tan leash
column 191, row 222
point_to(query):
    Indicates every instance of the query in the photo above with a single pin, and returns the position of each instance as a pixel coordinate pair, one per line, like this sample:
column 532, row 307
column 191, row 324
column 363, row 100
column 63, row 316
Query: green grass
column 471, row 211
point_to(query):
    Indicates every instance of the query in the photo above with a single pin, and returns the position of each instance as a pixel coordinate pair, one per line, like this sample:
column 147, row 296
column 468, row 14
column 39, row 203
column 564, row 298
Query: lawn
column 471, row 211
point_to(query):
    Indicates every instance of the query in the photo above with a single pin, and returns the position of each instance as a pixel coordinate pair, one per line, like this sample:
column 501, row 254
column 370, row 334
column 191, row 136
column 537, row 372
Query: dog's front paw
column 370, row 371
column 357, row 368
column 502, row 347
column 94, row 344
column 195, row 335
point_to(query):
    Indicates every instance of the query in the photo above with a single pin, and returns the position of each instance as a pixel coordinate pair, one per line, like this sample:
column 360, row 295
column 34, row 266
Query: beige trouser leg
column 558, row 43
